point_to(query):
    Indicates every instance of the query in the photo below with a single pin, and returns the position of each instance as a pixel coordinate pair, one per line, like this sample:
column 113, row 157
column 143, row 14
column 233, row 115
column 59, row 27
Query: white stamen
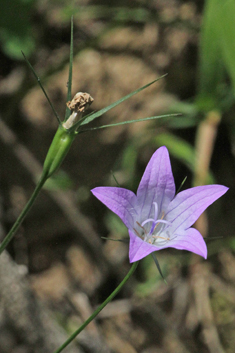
column 158, row 233
column 147, row 220
column 155, row 210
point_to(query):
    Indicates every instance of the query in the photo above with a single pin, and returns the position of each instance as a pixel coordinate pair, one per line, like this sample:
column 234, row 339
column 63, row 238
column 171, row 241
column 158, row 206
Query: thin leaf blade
column 131, row 121
column 91, row 117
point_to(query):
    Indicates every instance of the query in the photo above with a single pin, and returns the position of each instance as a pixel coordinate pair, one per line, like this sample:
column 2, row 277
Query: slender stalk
column 26, row 209
column 205, row 141
column 96, row 312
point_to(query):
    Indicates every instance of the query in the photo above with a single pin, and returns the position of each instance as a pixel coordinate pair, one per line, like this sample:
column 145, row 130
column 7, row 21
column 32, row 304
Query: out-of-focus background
column 58, row 269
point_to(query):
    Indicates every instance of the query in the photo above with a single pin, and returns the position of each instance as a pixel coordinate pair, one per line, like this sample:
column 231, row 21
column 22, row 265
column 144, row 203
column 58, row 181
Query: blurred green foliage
column 16, row 28
column 217, row 55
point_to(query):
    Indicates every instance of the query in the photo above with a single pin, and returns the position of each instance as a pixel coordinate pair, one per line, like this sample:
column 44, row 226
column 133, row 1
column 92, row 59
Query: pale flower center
column 158, row 232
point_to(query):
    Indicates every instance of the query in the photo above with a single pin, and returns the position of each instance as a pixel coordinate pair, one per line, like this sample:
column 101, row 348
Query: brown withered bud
column 80, row 102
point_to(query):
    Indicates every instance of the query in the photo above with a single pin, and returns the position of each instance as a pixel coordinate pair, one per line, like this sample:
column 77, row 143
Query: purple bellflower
column 155, row 217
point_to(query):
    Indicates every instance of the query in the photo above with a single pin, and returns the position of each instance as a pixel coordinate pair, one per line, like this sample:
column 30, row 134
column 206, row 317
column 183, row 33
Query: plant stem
column 26, row 209
column 96, row 312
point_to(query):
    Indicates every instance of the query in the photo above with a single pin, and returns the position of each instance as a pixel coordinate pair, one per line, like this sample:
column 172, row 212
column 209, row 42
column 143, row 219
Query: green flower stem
column 26, row 209
column 58, row 150
column 96, row 312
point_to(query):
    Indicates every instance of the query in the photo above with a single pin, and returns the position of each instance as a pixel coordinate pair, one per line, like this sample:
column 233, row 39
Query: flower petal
column 139, row 248
column 157, row 184
column 190, row 240
column 188, row 205
column 120, row 201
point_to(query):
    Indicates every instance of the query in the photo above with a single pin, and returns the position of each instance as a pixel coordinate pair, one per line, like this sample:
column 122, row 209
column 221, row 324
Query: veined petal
column 157, row 184
column 139, row 248
column 120, row 201
column 190, row 240
column 188, row 205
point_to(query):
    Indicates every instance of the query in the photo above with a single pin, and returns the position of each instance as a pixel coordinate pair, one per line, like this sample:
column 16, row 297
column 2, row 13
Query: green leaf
column 130, row 122
column 88, row 118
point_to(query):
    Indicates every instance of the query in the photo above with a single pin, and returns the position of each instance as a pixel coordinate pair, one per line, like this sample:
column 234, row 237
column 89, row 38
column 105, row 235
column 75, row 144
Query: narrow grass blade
column 158, row 266
column 68, row 112
column 87, row 119
column 130, row 122
column 42, row 88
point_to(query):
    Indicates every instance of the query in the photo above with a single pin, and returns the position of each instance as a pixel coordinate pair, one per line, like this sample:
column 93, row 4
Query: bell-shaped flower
column 155, row 217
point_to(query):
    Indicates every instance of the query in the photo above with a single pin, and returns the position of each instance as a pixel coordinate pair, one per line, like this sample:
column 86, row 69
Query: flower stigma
column 158, row 233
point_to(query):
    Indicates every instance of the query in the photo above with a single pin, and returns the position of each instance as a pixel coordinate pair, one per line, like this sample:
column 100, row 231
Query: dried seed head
column 80, row 102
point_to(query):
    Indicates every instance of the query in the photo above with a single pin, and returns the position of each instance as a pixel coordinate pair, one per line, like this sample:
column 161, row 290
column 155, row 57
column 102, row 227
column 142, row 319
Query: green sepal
column 58, row 150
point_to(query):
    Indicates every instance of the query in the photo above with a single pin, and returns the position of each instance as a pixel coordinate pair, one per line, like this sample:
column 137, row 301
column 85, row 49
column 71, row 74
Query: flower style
column 155, row 217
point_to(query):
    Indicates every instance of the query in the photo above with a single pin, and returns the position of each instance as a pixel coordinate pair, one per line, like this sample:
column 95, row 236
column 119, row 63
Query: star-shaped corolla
column 155, row 217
